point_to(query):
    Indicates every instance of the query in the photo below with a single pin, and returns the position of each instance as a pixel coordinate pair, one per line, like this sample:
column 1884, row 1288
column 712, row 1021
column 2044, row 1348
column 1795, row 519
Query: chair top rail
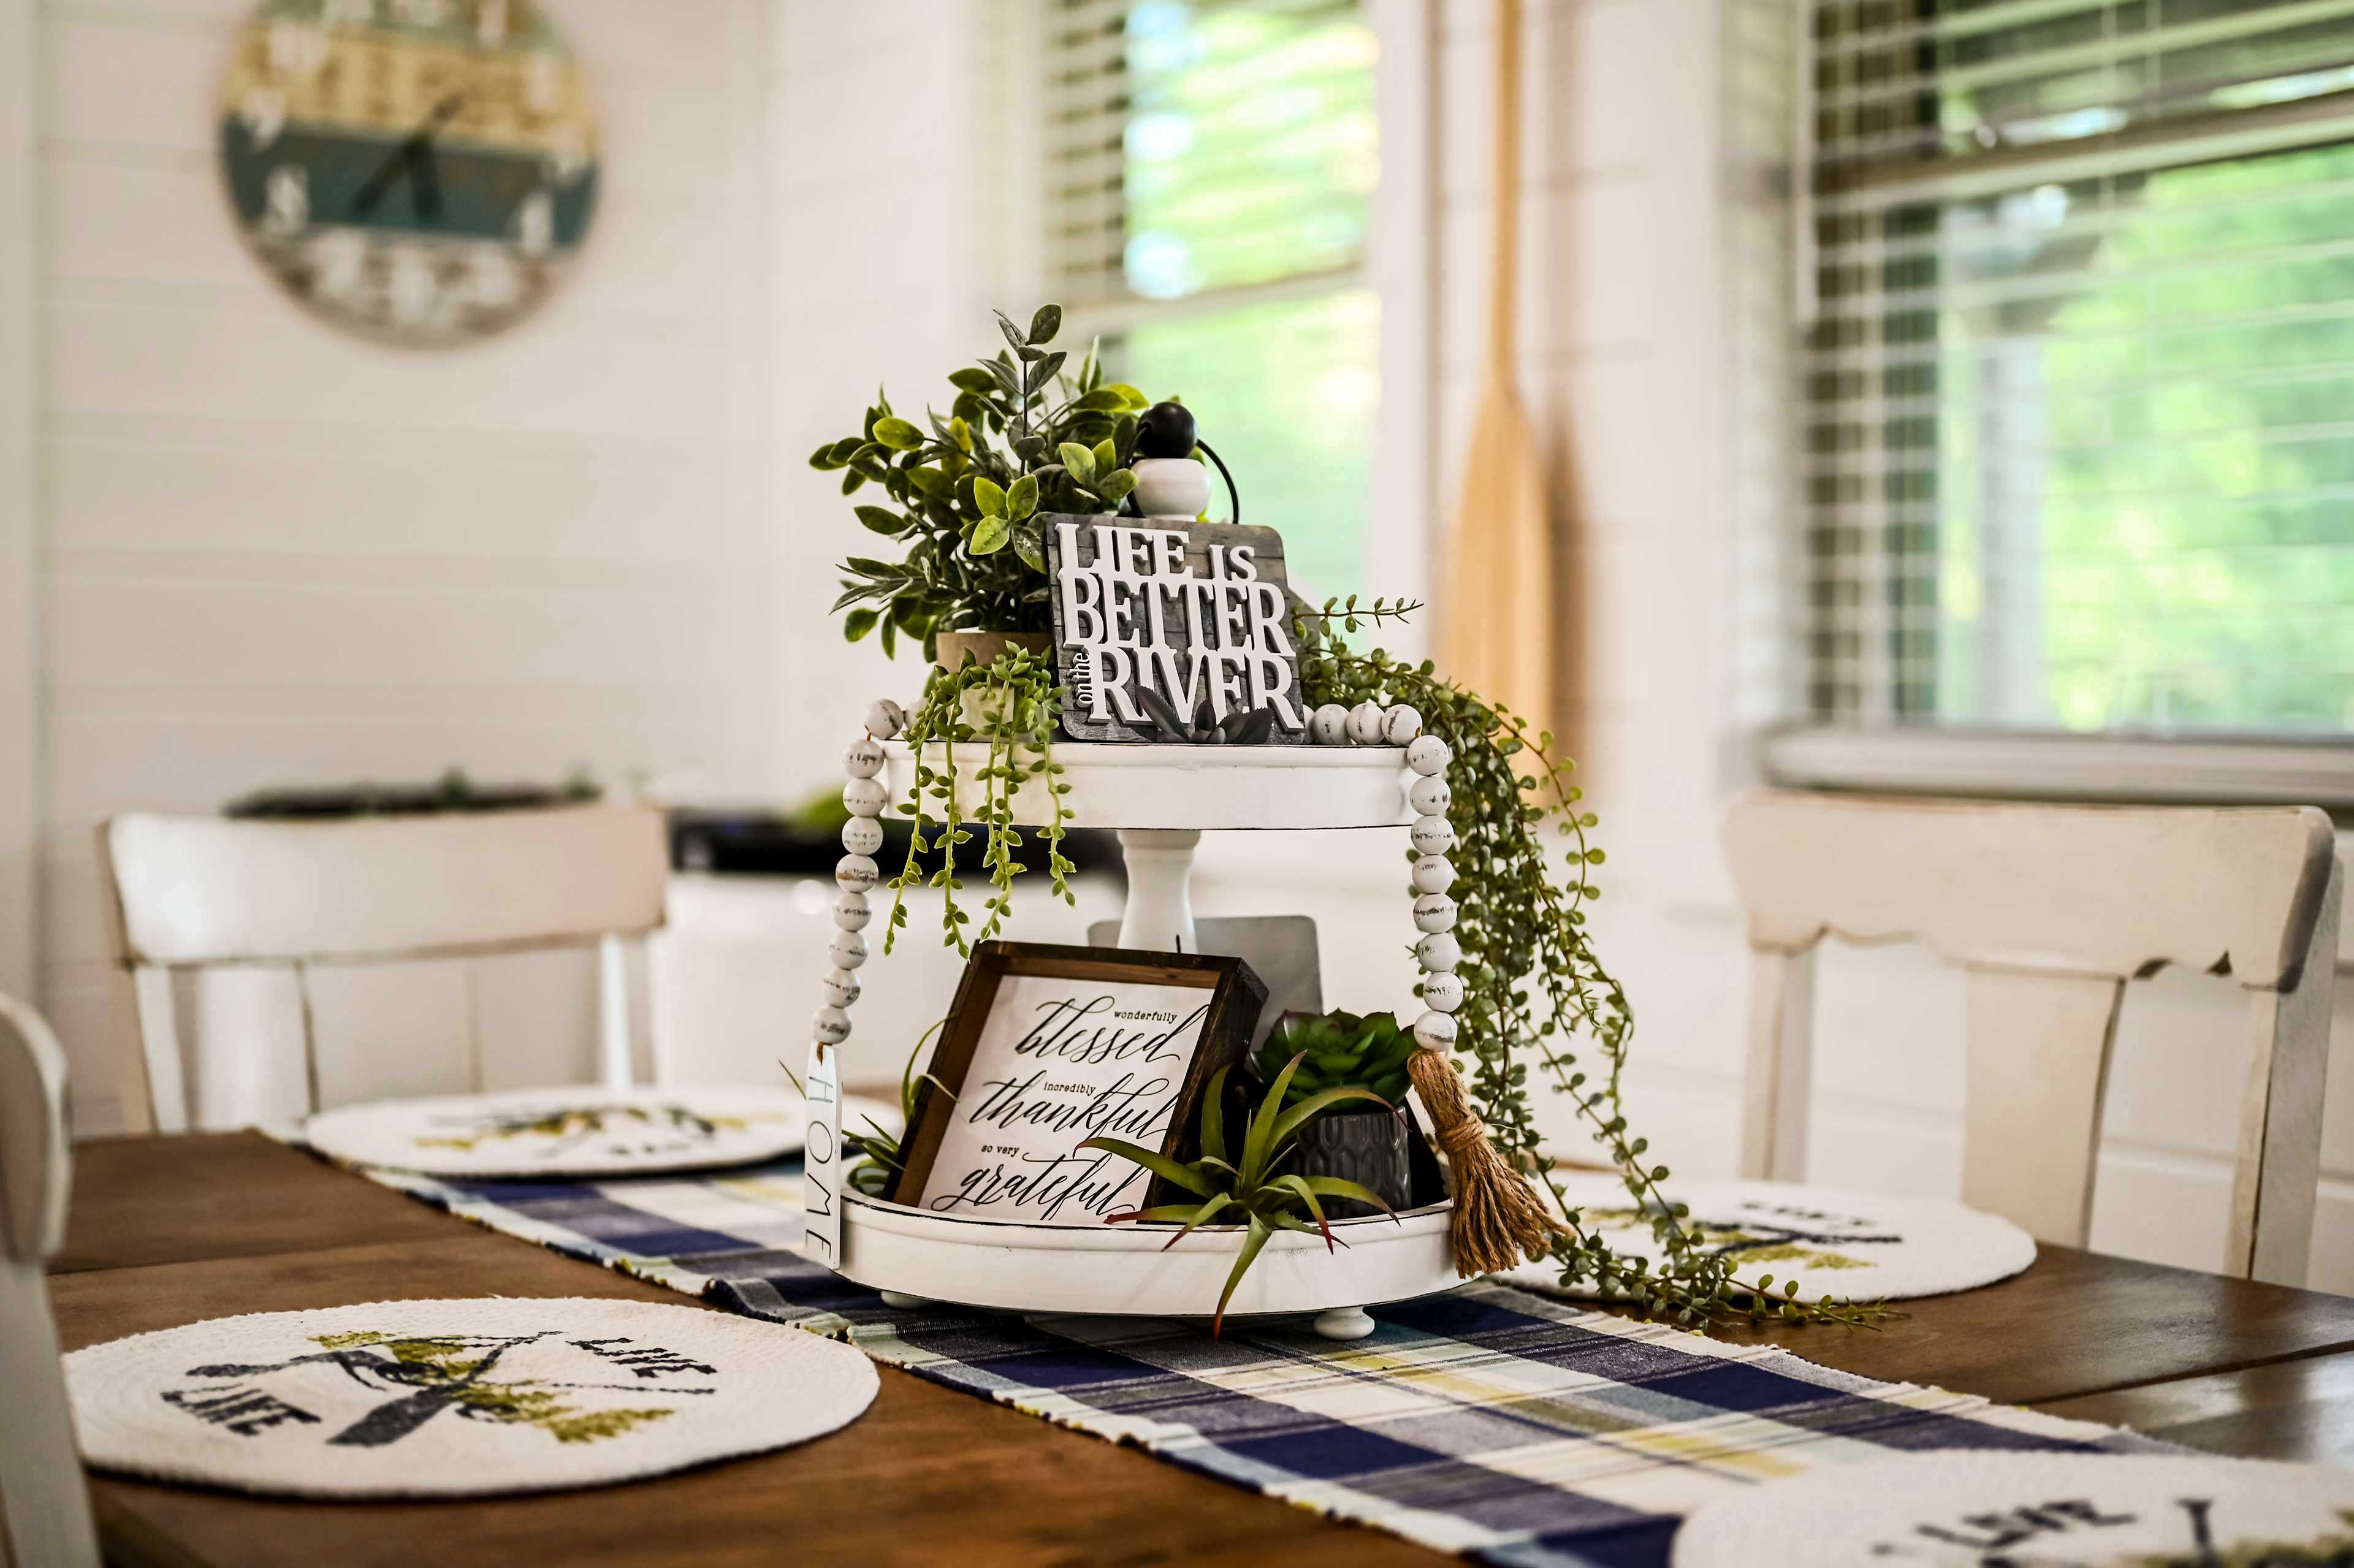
column 212, row 890
column 2105, row 890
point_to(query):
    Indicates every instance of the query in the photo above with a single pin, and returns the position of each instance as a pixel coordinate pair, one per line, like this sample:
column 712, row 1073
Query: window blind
column 2079, row 384
column 1206, row 147
column 1209, row 170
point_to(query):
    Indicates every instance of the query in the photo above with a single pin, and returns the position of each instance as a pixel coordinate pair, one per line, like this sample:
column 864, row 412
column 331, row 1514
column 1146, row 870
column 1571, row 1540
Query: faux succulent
column 1338, row 1050
column 1250, row 1190
column 1240, row 727
column 966, row 492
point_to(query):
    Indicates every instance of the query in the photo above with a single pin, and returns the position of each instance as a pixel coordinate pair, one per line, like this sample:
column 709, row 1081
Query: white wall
column 1644, row 275
column 274, row 554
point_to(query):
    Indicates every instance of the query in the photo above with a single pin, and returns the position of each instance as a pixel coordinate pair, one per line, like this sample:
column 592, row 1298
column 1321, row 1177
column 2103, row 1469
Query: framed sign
column 1048, row 1047
column 1190, row 625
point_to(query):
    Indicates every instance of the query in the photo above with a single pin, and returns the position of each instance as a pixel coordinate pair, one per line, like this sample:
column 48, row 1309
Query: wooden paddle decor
column 1498, row 635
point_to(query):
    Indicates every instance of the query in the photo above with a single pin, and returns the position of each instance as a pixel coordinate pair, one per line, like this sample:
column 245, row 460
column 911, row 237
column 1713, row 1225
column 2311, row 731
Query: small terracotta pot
column 985, row 646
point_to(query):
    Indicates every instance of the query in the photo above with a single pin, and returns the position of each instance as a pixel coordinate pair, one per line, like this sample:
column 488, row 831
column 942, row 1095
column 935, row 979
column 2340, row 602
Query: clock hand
column 414, row 154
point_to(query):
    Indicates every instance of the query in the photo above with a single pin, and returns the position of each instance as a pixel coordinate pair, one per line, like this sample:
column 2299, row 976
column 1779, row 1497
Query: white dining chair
column 42, row 1493
column 2050, row 910
column 280, row 900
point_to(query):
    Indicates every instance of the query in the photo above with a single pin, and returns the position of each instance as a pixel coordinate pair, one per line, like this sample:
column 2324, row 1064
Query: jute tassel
column 1500, row 1221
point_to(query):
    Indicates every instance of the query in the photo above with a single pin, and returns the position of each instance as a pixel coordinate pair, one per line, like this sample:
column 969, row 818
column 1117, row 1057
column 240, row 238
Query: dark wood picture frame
column 1237, row 997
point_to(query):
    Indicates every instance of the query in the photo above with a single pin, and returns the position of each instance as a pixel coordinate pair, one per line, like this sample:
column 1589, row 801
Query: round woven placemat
column 1965, row 1509
column 578, row 1131
column 457, row 1398
column 1857, row 1245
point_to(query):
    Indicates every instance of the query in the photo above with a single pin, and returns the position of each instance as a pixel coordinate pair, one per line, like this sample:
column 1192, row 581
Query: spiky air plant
column 1250, row 1190
column 881, row 1157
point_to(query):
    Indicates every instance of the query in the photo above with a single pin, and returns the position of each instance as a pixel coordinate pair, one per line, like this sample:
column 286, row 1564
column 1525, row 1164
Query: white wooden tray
column 1101, row 1268
column 1122, row 785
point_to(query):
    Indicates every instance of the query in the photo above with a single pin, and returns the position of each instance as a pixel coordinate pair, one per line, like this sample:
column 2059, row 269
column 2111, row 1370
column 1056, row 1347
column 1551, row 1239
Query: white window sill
column 2051, row 766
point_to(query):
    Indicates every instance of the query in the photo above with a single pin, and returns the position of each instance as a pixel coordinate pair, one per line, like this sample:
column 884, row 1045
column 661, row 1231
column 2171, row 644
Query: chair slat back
column 2083, row 889
column 2050, row 910
column 43, row 1496
column 260, row 910
column 210, row 890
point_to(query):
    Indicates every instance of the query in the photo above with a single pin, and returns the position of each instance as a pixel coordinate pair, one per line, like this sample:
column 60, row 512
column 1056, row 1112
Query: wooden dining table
column 166, row 1231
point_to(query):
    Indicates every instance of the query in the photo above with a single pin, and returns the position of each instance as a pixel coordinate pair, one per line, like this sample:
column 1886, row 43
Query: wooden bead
column 885, row 718
column 851, row 913
column 1430, row 797
column 1365, row 724
column 1402, row 726
column 830, row 1026
column 864, row 758
column 861, row 835
column 1431, row 835
column 865, row 797
column 1442, row 994
column 1435, row 1030
column 1328, row 725
column 1434, row 912
column 856, row 874
column 849, row 949
column 1438, row 953
column 1433, row 874
column 1428, row 756
column 841, row 988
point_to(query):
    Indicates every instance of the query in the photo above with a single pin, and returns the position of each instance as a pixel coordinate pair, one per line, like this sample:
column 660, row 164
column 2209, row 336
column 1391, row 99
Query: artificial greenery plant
column 966, row 492
column 1251, row 1188
column 1338, row 1050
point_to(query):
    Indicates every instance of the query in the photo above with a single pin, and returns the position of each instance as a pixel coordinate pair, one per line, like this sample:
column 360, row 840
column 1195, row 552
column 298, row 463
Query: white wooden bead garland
column 1432, row 835
column 1442, row 994
column 1367, row 724
column 866, row 797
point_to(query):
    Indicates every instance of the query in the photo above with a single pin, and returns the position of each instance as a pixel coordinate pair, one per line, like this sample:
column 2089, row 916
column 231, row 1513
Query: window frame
column 1895, row 756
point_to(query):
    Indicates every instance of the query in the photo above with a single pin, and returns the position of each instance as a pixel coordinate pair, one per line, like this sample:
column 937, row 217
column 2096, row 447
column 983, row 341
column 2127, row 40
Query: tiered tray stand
column 1160, row 800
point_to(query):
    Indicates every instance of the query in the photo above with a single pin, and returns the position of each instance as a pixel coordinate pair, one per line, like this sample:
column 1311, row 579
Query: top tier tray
column 1192, row 788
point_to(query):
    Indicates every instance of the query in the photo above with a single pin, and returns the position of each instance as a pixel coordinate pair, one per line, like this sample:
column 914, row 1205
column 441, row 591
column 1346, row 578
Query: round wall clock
column 417, row 170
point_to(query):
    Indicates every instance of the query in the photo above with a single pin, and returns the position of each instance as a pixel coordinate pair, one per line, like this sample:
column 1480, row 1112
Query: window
column 1210, row 170
column 2079, row 390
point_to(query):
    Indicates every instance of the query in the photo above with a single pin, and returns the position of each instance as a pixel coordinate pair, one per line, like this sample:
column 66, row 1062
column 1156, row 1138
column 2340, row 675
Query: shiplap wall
column 275, row 554
column 1652, row 273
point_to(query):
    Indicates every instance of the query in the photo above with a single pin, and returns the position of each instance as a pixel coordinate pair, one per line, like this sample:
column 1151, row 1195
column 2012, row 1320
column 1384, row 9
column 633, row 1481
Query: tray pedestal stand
column 1161, row 799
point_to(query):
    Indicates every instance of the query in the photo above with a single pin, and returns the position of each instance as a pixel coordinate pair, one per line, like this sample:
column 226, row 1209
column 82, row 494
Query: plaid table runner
column 1491, row 1422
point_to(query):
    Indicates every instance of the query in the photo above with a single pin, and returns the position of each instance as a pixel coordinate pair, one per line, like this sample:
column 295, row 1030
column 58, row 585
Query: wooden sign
column 1154, row 622
column 1048, row 1047
column 822, row 1159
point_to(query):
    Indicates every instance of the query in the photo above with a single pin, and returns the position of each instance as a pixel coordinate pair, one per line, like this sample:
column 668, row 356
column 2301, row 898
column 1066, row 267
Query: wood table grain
column 166, row 1232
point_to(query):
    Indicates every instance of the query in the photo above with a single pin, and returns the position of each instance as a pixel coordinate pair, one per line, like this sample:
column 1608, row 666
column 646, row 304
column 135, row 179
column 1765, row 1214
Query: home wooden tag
column 1048, row 1047
column 821, row 1158
column 1199, row 617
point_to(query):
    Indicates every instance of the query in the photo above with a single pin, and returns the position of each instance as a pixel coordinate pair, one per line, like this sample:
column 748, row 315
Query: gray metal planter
column 1367, row 1146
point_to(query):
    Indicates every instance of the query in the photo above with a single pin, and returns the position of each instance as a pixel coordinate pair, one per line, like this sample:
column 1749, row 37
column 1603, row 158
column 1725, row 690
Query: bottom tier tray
column 1123, row 1269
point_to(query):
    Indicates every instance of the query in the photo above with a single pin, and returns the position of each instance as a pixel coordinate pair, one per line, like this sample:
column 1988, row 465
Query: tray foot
column 1345, row 1323
column 901, row 1302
